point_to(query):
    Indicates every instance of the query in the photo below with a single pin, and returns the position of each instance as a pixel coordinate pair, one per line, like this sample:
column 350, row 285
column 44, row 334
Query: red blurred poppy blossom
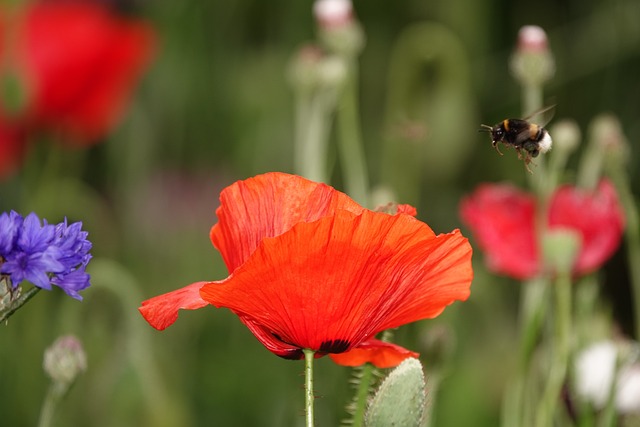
column 76, row 63
column 502, row 220
column 312, row 269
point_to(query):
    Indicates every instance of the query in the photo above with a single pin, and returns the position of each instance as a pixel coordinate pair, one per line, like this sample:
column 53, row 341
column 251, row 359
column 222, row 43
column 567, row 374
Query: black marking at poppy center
column 335, row 346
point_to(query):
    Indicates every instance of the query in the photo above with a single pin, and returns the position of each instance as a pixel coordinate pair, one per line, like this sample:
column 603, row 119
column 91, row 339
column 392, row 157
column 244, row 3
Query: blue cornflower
column 44, row 254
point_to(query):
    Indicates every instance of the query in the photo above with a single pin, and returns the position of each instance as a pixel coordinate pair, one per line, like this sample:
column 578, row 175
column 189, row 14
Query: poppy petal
column 501, row 218
column 267, row 206
column 162, row 311
column 271, row 342
column 379, row 353
column 331, row 284
column 596, row 216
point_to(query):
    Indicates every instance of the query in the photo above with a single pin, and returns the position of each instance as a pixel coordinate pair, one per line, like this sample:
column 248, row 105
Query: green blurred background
column 216, row 106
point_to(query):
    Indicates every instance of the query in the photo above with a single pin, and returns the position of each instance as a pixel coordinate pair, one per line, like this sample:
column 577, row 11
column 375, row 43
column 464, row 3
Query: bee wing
column 542, row 116
column 522, row 136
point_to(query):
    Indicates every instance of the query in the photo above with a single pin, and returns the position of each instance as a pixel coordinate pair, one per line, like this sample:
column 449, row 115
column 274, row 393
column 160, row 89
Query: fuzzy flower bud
column 340, row 32
column 65, row 359
column 333, row 13
column 566, row 135
column 606, row 142
column 532, row 62
column 313, row 69
column 561, row 247
column 303, row 70
column 607, row 131
column 332, row 72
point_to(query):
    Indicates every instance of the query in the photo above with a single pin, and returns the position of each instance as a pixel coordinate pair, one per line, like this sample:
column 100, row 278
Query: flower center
column 335, row 346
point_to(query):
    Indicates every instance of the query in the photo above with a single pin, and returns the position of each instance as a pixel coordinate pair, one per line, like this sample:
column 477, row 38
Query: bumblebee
column 529, row 139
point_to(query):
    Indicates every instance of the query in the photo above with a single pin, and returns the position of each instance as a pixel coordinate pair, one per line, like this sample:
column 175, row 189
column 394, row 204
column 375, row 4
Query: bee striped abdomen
column 535, row 132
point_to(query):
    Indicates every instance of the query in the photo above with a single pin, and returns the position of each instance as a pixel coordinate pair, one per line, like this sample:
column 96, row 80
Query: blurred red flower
column 502, row 220
column 310, row 268
column 75, row 63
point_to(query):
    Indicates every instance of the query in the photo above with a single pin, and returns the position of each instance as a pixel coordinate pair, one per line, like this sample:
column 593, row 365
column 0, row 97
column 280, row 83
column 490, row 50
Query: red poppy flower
column 502, row 219
column 310, row 268
column 77, row 63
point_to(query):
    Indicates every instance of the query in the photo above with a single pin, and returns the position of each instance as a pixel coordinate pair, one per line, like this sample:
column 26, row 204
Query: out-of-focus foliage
column 215, row 107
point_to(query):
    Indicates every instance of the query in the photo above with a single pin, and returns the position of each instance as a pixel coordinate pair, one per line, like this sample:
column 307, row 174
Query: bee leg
column 527, row 160
column 526, row 166
column 520, row 156
column 495, row 145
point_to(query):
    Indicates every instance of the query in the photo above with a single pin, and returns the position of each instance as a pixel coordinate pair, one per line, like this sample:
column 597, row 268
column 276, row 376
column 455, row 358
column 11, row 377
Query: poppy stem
column 632, row 233
column 313, row 122
column 55, row 393
column 548, row 404
column 362, row 394
column 308, row 385
column 516, row 408
column 354, row 167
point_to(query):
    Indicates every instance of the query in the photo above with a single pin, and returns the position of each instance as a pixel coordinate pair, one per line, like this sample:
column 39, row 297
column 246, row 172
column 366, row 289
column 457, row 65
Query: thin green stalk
column 591, row 165
column 548, row 405
column 309, row 356
column 609, row 416
column 533, row 299
column 354, row 168
column 362, row 394
column 54, row 394
column 313, row 123
column 163, row 407
column 632, row 234
column 22, row 300
column 531, row 98
column 532, row 95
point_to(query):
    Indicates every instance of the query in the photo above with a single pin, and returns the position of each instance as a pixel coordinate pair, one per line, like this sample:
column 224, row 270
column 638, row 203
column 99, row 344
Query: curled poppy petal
column 331, row 284
column 162, row 311
column 379, row 353
column 501, row 218
column 596, row 215
column 272, row 342
column 267, row 206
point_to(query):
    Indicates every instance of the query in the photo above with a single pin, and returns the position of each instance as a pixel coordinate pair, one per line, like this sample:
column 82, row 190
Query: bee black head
column 497, row 132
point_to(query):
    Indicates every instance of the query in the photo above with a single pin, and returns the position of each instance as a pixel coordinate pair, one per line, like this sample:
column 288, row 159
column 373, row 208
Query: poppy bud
column 532, row 62
column 401, row 399
column 561, row 247
column 340, row 32
column 65, row 359
column 566, row 136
